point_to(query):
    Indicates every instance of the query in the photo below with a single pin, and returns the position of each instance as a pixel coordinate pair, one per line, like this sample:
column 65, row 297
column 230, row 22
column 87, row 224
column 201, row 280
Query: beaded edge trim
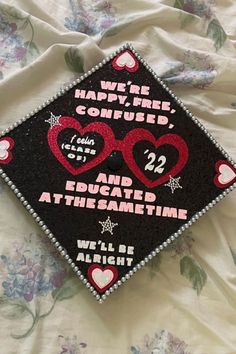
column 170, row 239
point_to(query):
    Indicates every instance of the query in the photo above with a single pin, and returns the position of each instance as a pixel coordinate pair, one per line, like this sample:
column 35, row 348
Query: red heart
column 102, row 278
column 226, row 174
column 6, row 145
column 68, row 122
column 139, row 134
column 125, row 60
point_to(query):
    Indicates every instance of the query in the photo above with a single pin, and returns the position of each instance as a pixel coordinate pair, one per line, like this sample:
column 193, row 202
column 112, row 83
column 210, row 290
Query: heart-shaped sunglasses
column 126, row 146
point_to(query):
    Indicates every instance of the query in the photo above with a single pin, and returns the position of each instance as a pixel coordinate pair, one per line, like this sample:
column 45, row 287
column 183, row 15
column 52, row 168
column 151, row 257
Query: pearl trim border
column 170, row 239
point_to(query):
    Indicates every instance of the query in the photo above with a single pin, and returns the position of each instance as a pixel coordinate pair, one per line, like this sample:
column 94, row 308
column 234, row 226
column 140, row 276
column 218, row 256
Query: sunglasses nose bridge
column 118, row 145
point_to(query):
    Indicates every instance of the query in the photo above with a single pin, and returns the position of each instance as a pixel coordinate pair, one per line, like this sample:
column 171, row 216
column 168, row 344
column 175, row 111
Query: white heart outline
column 130, row 62
column 227, row 174
column 102, row 277
column 4, row 146
column 125, row 59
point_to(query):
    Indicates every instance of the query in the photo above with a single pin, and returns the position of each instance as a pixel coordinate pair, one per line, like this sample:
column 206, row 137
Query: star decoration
column 108, row 225
column 173, row 183
column 53, row 120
